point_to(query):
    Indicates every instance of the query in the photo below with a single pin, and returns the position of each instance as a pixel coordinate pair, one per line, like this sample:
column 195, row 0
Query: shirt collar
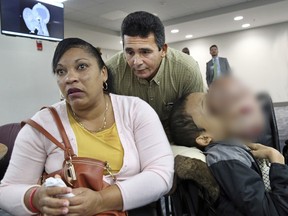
column 228, row 142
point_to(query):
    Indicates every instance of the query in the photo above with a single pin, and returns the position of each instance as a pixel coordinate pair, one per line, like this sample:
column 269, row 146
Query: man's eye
column 129, row 52
column 145, row 52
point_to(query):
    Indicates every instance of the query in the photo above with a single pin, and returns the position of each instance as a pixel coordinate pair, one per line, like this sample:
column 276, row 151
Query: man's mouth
column 140, row 69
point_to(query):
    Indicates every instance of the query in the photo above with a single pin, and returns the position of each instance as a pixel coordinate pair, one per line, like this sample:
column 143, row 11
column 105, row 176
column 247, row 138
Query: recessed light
column 52, row 1
column 174, row 31
column 188, row 36
column 60, row 1
column 237, row 18
column 246, row 25
column 121, row 42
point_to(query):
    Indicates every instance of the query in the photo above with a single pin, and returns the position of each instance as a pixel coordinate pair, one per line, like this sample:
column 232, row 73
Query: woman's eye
column 60, row 72
column 82, row 66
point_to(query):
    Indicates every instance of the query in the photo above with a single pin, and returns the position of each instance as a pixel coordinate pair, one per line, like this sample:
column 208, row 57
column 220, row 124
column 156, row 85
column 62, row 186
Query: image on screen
column 32, row 18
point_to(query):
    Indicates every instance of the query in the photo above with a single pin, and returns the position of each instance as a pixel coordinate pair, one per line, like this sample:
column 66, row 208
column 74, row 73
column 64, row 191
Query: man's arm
column 190, row 78
column 208, row 74
column 228, row 69
column 115, row 67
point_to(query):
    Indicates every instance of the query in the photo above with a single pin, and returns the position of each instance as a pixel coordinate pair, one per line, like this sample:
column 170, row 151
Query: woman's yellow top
column 104, row 145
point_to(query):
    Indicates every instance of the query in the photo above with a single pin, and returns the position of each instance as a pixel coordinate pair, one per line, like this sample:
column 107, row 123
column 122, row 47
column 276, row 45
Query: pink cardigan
column 147, row 170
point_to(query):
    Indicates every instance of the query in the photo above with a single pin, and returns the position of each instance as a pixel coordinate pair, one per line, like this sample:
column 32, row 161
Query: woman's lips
column 73, row 91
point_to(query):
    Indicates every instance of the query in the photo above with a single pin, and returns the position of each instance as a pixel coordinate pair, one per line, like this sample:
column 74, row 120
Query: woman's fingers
column 50, row 204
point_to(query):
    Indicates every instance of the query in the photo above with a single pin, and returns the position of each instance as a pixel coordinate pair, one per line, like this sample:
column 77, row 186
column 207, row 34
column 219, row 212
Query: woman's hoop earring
column 105, row 86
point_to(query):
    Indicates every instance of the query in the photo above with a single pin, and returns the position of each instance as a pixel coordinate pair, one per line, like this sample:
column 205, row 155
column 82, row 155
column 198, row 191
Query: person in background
column 149, row 69
column 199, row 120
column 217, row 66
column 124, row 131
column 186, row 50
column 99, row 50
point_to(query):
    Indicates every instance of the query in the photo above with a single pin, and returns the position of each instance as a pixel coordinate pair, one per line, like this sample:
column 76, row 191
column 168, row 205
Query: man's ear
column 203, row 140
column 164, row 50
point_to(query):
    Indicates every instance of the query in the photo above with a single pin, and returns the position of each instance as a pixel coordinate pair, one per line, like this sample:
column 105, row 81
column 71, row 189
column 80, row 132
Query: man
column 217, row 66
column 235, row 166
column 148, row 69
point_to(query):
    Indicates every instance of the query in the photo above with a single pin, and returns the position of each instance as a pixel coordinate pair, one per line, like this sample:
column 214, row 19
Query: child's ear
column 203, row 140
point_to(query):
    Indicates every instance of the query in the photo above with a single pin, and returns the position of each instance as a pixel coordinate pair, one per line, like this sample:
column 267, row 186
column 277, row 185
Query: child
column 212, row 122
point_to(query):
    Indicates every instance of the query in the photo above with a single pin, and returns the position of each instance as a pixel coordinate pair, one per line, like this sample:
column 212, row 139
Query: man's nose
column 137, row 60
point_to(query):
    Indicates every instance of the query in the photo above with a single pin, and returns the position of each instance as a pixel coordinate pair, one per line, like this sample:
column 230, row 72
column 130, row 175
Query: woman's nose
column 71, row 77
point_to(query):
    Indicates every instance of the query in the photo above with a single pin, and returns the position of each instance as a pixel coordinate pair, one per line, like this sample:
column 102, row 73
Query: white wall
column 258, row 56
column 26, row 81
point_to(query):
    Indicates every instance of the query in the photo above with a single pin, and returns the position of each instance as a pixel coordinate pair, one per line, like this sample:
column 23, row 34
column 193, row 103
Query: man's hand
column 265, row 152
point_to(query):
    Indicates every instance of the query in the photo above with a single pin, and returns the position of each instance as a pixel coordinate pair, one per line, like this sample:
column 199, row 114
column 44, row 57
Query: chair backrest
column 8, row 134
column 270, row 136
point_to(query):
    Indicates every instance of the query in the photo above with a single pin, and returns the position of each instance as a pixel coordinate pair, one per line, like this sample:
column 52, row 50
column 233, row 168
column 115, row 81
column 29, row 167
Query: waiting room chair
column 270, row 137
column 8, row 134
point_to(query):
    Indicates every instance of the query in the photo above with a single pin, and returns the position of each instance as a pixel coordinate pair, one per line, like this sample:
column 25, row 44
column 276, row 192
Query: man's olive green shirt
column 177, row 75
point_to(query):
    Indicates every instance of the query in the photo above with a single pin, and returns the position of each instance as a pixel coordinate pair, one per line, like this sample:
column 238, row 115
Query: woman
column 125, row 131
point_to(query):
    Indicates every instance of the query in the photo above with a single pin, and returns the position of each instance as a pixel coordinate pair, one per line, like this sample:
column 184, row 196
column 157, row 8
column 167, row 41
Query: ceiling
column 199, row 18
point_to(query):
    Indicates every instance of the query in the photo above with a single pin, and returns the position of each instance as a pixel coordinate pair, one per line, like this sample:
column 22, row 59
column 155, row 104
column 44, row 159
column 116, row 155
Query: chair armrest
column 187, row 168
column 3, row 150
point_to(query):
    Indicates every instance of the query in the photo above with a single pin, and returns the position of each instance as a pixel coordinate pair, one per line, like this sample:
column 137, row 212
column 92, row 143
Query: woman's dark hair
column 69, row 43
column 142, row 24
column 183, row 129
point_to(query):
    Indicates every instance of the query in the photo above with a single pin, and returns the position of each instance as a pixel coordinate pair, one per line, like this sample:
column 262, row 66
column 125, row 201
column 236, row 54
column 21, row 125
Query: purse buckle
column 71, row 170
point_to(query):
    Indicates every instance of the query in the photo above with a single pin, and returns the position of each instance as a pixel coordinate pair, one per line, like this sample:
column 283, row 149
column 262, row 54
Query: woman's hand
column 265, row 152
column 89, row 202
column 86, row 202
column 45, row 200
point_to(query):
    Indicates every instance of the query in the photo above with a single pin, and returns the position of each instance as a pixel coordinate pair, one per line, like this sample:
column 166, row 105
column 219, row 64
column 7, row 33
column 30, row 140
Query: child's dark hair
column 183, row 129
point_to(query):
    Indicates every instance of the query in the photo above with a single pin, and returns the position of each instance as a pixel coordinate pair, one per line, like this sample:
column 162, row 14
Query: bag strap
column 68, row 150
column 44, row 132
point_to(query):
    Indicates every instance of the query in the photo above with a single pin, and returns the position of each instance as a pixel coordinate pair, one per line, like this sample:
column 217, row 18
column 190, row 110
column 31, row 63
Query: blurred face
column 214, row 51
column 237, row 106
column 197, row 107
column 143, row 55
column 79, row 78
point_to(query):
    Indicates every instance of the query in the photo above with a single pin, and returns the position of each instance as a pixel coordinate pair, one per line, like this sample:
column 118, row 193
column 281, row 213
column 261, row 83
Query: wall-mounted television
column 33, row 18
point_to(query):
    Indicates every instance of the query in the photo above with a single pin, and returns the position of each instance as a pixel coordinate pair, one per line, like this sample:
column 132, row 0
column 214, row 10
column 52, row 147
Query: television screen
column 32, row 18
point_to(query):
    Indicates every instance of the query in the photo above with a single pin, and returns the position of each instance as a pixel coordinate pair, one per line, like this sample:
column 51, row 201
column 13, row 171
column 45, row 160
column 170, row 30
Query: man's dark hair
column 186, row 50
column 213, row 46
column 183, row 129
column 142, row 24
column 69, row 43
